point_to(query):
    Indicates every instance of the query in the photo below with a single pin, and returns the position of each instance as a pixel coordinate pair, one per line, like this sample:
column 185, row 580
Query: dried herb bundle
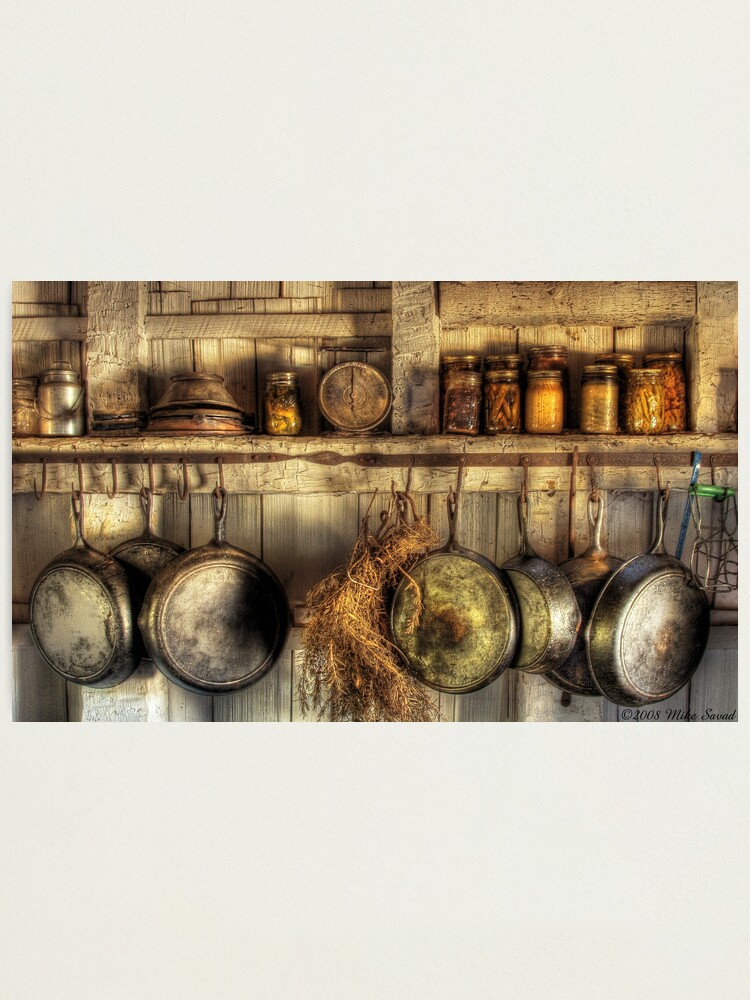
column 352, row 671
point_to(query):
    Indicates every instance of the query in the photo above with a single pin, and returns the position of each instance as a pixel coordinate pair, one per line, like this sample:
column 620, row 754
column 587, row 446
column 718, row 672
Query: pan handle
column 523, row 523
column 147, row 507
column 77, row 502
column 657, row 549
column 220, row 515
column 595, row 525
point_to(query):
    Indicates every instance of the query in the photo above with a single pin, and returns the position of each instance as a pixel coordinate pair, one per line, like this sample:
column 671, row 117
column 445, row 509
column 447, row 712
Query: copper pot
column 190, row 389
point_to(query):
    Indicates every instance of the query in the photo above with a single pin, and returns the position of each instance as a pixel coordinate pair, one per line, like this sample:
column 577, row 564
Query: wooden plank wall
column 302, row 537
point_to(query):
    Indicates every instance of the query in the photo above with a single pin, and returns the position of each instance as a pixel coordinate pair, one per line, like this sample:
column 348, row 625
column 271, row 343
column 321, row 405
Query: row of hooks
column 182, row 493
column 183, row 490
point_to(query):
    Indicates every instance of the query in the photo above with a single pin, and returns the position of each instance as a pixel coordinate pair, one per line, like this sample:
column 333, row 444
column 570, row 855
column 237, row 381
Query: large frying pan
column 549, row 613
column 216, row 618
column 468, row 629
column 649, row 626
column 81, row 617
column 143, row 556
column 587, row 574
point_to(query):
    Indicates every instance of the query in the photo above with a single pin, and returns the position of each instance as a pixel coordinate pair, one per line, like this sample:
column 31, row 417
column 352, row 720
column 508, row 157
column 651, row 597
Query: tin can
column 59, row 402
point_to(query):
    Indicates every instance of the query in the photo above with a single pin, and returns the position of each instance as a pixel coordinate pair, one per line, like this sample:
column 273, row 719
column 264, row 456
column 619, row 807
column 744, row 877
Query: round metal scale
column 354, row 397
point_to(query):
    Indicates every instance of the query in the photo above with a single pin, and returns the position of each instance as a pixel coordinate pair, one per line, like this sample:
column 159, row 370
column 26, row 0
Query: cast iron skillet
column 649, row 626
column 81, row 617
column 468, row 629
column 587, row 574
column 216, row 618
column 549, row 613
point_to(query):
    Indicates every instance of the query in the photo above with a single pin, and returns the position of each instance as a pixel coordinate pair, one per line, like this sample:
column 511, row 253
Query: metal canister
column 59, row 401
column 25, row 419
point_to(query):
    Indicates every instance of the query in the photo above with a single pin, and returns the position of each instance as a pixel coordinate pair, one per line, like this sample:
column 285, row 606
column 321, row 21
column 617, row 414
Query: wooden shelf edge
column 33, row 449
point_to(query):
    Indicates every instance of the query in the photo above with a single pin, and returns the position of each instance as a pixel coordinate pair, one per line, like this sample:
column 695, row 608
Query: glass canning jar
column 503, row 362
column 624, row 363
column 675, row 393
column 462, row 403
column 644, row 406
column 553, row 358
column 282, row 404
column 545, row 402
column 456, row 363
column 502, row 401
column 599, row 399
column 25, row 417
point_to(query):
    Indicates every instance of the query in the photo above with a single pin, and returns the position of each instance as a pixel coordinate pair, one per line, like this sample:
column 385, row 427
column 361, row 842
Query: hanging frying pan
column 216, row 618
column 649, row 626
column 143, row 556
column 81, row 617
column 468, row 629
column 549, row 614
column 587, row 574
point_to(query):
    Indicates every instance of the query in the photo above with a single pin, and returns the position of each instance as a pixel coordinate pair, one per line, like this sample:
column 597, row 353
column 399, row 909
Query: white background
column 394, row 140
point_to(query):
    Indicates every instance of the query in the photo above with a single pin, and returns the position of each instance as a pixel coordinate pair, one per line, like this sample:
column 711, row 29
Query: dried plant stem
column 352, row 671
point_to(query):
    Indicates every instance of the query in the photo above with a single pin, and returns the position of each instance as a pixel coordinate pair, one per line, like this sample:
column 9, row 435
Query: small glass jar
column 545, row 402
column 25, row 417
column 282, row 404
column 599, row 399
column 503, row 362
column 675, row 394
column 462, row 405
column 502, row 401
column 553, row 358
column 644, row 408
column 624, row 363
column 456, row 363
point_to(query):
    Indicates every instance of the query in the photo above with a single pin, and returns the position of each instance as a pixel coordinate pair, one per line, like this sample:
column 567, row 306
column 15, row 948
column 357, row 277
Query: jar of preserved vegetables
column 675, row 395
column 282, row 404
column 506, row 362
column 502, row 401
column 462, row 404
column 553, row 358
column 624, row 363
column 599, row 399
column 25, row 417
column 644, row 406
column 544, row 402
column 456, row 363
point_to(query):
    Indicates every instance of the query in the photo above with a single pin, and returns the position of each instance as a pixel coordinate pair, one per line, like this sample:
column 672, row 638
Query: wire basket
column 714, row 556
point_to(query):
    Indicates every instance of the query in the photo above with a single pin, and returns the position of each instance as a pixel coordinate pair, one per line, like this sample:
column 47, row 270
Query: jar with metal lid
column 462, row 404
column 675, row 394
column 644, row 409
column 624, row 363
column 599, row 399
column 506, row 362
column 25, row 417
column 545, row 402
column 502, row 401
column 456, row 363
column 553, row 358
column 282, row 404
column 60, row 401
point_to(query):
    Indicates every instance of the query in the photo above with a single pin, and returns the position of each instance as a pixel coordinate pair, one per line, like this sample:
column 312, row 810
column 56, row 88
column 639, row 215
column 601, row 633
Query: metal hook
column 151, row 474
column 44, row 481
column 113, row 494
column 572, row 504
column 80, row 480
column 454, row 494
column 183, row 493
column 713, row 470
column 657, row 463
column 593, row 461
column 220, row 463
column 525, row 462
column 409, row 474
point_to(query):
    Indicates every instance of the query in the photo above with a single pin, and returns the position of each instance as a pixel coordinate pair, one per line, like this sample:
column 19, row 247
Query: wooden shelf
column 341, row 463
